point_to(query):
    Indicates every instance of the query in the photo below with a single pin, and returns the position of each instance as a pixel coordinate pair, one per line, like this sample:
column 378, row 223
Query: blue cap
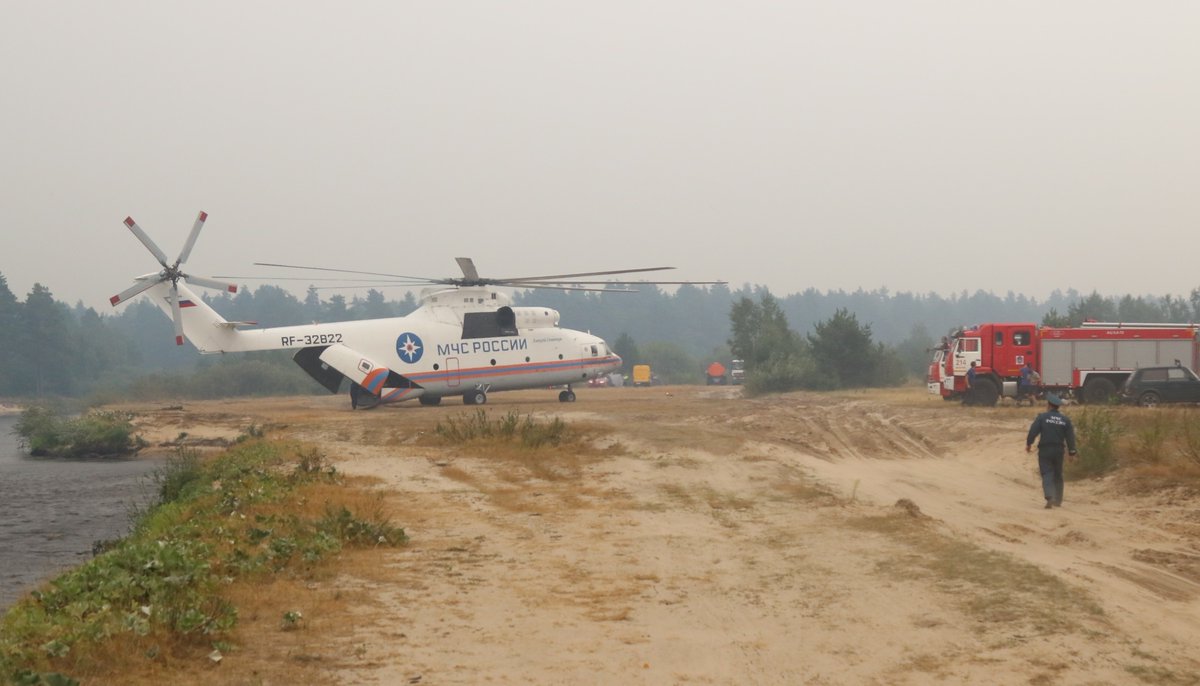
column 1053, row 399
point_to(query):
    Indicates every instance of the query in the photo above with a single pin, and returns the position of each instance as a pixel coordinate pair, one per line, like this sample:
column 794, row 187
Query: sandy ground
column 719, row 540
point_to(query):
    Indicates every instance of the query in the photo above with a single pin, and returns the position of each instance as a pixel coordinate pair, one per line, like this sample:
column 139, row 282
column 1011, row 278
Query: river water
column 53, row 510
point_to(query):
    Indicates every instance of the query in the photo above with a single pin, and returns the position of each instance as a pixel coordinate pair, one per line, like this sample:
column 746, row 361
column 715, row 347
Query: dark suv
column 1150, row 386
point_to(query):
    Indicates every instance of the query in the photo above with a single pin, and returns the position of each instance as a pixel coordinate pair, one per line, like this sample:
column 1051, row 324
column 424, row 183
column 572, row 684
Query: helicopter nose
column 614, row 361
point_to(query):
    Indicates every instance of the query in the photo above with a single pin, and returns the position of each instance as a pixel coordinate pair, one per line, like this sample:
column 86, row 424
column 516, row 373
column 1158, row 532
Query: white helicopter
column 466, row 339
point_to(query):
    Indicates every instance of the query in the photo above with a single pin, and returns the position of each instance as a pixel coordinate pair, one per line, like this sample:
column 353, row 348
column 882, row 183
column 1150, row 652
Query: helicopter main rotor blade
column 312, row 279
column 471, row 277
column 132, row 291
column 467, row 265
column 519, row 279
column 141, row 236
column 176, row 315
column 210, row 283
column 191, row 240
column 623, row 283
column 420, row 279
column 565, row 287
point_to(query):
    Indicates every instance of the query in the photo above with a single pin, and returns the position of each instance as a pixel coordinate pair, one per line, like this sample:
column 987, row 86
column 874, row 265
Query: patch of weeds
column 291, row 620
column 251, row 432
column 792, row 489
column 725, row 501
column 927, row 663
column 677, row 493
column 512, row 427
column 28, row 678
column 313, row 464
column 1153, row 674
column 344, row 525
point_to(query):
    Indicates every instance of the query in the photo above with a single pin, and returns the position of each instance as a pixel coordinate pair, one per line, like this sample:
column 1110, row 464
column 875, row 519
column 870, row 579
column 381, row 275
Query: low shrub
column 177, row 475
column 1097, row 432
column 43, row 432
column 1150, row 436
column 1189, row 442
column 787, row 373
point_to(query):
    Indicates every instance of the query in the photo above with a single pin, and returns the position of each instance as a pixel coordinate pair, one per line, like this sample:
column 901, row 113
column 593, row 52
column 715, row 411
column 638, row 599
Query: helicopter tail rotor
column 170, row 273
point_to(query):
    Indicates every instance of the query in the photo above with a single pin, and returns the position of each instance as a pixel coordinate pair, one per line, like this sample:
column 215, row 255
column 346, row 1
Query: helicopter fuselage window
column 502, row 322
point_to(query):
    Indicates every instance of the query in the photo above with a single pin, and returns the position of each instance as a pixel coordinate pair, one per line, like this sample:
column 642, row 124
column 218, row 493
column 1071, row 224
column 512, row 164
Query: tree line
column 55, row 349
column 839, row 353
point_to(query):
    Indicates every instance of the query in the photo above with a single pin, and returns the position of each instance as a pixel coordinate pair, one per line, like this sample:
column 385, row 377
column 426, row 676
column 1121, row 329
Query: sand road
column 713, row 539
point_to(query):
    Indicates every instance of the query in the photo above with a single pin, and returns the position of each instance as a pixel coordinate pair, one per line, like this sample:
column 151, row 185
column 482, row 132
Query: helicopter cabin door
column 590, row 353
column 452, row 376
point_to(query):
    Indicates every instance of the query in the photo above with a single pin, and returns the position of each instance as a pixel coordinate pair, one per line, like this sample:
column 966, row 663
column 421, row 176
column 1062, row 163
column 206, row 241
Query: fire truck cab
column 999, row 351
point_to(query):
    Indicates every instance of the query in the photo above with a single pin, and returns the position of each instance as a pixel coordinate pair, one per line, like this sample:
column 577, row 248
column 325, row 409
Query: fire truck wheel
column 984, row 393
column 1149, row 399
column 1099, row 391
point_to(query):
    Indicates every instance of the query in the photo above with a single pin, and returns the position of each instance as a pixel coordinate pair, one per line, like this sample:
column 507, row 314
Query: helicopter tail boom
column 207, row 330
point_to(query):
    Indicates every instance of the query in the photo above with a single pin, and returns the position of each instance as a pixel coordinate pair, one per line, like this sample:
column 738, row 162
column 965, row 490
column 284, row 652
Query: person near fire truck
column 1054, row 433
column 967, row 397
column 1027, row 383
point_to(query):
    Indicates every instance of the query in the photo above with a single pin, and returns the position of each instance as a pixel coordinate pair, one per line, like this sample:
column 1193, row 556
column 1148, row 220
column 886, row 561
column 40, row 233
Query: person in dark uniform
column 1056, row 433
column 1025, row 383
column 969, row 394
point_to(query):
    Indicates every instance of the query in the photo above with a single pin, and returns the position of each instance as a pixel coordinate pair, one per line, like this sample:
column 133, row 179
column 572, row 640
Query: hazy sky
column 921, row 146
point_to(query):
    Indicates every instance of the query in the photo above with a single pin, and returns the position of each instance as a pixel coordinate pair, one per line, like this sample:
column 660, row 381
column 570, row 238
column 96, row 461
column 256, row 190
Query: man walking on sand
column 1056, row 432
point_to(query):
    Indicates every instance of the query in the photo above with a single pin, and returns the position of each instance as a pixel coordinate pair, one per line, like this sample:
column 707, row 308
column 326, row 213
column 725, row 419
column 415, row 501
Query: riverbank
column 53, row 510
column 172, row 592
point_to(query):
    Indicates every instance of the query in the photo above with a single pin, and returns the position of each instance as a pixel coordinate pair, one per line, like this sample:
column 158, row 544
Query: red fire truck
column 1088, row 363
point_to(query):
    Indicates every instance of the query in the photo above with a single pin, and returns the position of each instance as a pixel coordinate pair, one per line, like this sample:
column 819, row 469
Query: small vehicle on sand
column 1152, row 386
